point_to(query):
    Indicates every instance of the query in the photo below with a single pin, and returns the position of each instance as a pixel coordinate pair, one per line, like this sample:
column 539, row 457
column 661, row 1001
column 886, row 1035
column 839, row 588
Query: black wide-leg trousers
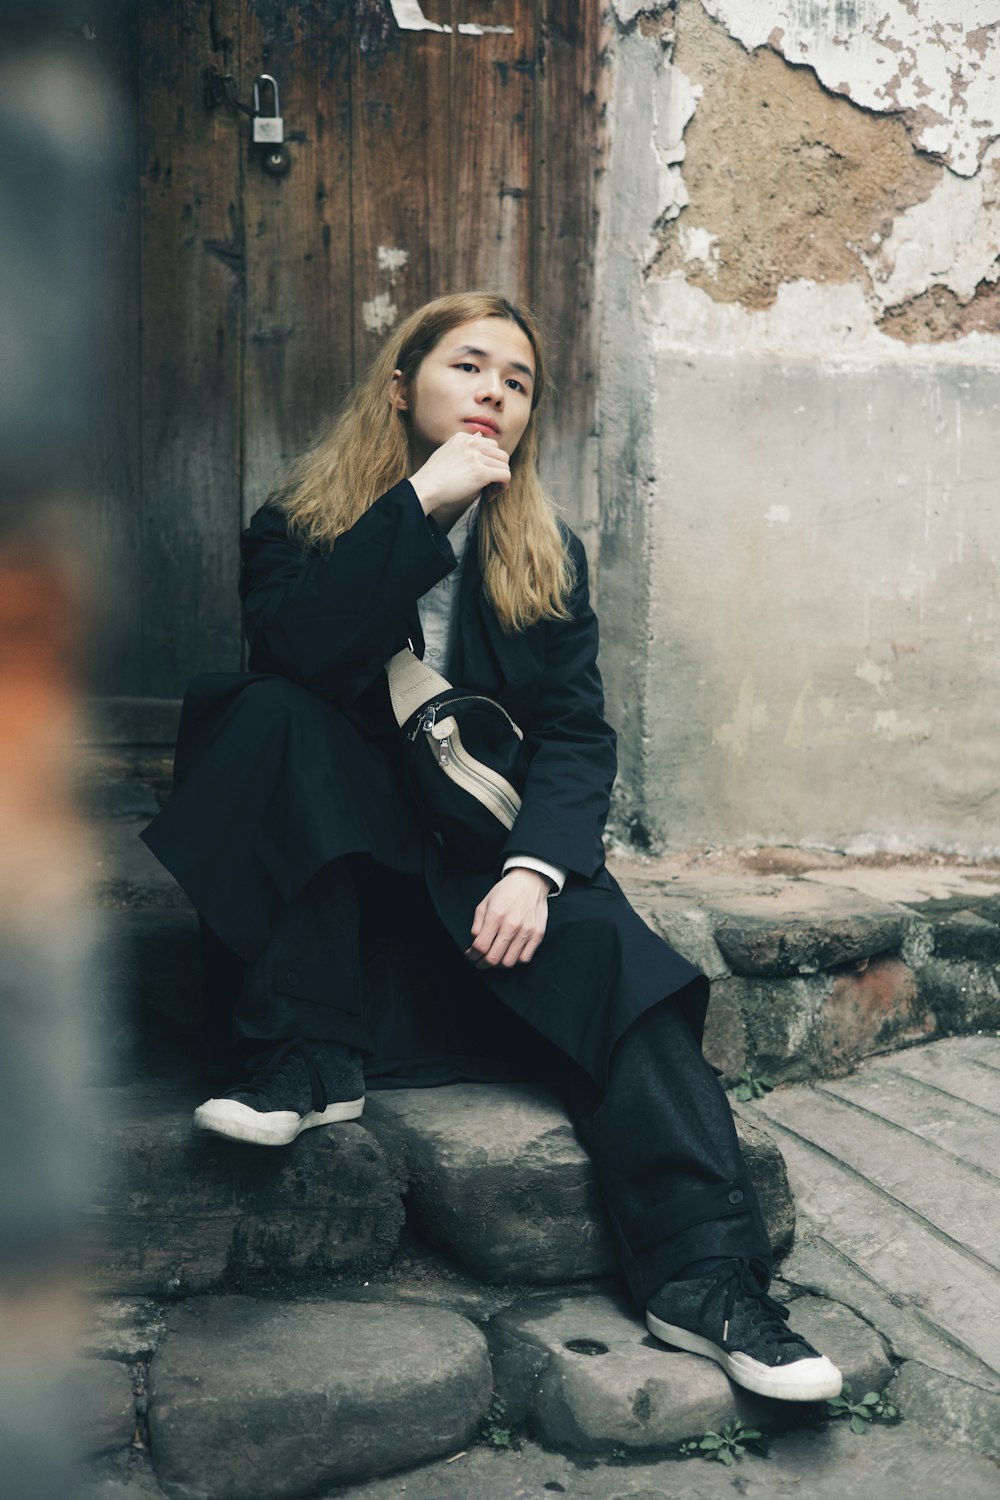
column 660, row 1135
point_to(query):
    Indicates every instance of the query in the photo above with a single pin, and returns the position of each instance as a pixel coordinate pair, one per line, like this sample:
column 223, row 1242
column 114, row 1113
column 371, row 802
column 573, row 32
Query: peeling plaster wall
column 800, row 419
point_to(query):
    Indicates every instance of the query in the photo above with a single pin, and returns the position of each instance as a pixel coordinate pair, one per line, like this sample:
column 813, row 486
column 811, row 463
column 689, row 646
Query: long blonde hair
column 527, row 574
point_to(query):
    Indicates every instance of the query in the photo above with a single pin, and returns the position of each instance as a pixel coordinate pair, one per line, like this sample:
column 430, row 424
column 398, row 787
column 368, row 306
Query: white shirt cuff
column 529, row 862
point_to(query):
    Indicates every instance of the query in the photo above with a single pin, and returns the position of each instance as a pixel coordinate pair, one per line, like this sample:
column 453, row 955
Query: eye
column 516, row 385
column 467, row 365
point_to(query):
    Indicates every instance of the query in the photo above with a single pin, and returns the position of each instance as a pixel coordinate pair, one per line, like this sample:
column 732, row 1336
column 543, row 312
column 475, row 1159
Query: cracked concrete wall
column 800, row 447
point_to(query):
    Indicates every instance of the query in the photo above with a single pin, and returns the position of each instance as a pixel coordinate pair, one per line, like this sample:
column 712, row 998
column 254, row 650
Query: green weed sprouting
column 873, row 1407
column 726, row 1446
column 749, row 1086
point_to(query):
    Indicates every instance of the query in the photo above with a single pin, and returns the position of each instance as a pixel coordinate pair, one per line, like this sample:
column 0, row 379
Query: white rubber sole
column 805, row 1380
column 238, row 1122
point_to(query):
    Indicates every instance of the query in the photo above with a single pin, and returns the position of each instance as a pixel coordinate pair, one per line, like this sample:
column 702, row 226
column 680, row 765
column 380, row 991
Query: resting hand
column 510, row 921
column 465, row 466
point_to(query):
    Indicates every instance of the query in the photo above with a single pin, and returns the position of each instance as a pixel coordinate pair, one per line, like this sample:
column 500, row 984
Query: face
column 478, row 378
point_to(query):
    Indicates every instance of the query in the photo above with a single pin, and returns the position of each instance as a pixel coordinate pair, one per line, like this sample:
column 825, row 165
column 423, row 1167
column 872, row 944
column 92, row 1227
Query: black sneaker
column 729, row 1317
column 289, row 1088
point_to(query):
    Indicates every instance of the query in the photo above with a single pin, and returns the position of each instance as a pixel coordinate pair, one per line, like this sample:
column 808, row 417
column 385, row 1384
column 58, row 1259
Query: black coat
column 260, row 806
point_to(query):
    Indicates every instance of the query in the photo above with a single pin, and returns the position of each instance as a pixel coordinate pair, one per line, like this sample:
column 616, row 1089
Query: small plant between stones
column 749, row 1086
column 494, row 1431
column 726, row 1446
column 874, row 1407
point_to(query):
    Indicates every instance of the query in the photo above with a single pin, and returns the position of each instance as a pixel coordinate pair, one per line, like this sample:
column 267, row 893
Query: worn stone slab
column 124, row 872
column 893, row 1247
column 125, row 1328
column 145, row 1003
column 816, row 1025
column 815, row 1463
column 253, row 1400
column 725, row 1041
column 103, row 1405
column 955, row 1410
column 962, row 934
column 421, row 1276
column 498, row 1178
column 959, row 1201
column 857, row 1349
column 686, row 926
column 817, row 1266
column 802, row 928
column 965, row 1131
column 120, row 1476
column 586, row 1374
column 172, row 1211
column 961, row 1069
column 963, row 996
column 766, row 1168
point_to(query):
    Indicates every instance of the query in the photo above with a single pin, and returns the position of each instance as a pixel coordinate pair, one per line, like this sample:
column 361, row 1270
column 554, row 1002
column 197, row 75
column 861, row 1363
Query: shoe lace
column 738, row 1280
column 266, row 1063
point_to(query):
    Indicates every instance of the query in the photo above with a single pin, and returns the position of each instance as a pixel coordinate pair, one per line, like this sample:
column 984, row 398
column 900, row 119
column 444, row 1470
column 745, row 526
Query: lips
column 485, row 423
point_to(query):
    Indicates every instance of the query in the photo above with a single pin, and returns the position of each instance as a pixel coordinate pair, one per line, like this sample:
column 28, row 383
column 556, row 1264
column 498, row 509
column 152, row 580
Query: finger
column 531, row 948
column 498, row 949
column 486, row 937
column 515, row 950
column 477, row 918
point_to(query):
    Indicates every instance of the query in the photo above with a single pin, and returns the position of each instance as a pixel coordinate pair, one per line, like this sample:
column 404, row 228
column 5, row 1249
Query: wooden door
column 428, row 154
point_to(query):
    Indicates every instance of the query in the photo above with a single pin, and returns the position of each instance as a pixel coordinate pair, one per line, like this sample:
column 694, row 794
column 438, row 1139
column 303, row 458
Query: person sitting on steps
column 362, row 953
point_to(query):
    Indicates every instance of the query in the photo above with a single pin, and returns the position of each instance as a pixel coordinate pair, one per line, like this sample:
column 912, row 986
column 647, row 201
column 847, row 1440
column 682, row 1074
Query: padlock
column 268, row 130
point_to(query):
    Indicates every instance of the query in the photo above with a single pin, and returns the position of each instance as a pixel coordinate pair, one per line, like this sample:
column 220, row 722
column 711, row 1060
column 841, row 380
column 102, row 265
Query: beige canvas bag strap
column 412, row 684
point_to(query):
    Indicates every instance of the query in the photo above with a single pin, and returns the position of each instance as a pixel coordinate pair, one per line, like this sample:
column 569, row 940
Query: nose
column 491, row 388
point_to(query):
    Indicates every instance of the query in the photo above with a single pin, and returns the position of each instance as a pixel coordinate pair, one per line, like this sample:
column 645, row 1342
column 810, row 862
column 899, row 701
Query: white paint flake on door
column 409, row 16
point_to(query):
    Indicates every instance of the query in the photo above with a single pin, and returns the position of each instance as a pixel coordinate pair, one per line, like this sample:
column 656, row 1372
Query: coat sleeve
column 329, row 620
column 568, row 791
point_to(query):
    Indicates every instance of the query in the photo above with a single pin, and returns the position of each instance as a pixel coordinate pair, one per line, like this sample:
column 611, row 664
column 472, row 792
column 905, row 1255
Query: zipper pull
column 425, row 723
column 444, row 751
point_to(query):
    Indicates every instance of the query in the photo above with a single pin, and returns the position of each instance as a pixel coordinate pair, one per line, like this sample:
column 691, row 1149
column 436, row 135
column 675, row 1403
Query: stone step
column 897, row 1214
column 173, row 1211
column 809, row 975
column 491, row 1173
column 247, row 1398
column 498, row 1179
column 252, row 1400
column 584, row 1374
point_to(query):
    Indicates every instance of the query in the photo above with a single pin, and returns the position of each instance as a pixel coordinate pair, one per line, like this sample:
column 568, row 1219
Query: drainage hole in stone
column 585, row 1346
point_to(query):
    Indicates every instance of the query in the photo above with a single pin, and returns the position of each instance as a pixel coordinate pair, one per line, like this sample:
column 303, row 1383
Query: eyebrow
column 483, row 354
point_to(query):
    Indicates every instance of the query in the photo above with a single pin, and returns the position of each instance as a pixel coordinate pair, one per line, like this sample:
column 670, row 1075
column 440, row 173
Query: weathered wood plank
column 297, row 357
column 193, row 261
column 391, row 170
column 569, row 165
column 115, row 478
column 955, row 1199
column 964, row 1130
column 481, row 216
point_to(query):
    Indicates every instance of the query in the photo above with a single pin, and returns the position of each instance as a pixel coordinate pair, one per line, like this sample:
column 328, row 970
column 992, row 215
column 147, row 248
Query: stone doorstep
column 172, row 1211
column 585, row 1374
column 492, row 1173
column 254, row 1400
column 259, row 1400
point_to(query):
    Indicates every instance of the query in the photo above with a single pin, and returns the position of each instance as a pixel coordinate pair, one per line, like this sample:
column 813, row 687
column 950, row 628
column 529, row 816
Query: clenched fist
column 468, row 464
